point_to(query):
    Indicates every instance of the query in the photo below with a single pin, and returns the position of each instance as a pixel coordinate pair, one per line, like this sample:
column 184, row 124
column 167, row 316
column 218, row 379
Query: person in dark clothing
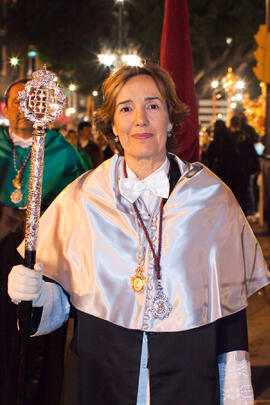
column 222, row 157
column 248, row 129
column 248, row 158
column 213, row 156
column 87, row 144
column 253, row 189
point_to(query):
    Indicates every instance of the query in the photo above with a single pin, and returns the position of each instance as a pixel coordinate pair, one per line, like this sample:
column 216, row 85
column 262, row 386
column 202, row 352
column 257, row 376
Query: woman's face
column 141, row 120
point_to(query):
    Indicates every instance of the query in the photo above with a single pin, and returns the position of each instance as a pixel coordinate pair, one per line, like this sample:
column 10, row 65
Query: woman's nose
column 141, row 116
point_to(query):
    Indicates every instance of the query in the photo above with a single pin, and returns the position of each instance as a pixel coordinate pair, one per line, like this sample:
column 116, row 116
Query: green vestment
column 62, row 165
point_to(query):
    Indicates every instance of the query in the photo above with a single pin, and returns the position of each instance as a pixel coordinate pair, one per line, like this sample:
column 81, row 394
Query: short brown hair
column 177, row 110
column 6, row 96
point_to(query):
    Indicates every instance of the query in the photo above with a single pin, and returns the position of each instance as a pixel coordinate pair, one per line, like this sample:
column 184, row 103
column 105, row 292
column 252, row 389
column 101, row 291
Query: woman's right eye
column 125, row 109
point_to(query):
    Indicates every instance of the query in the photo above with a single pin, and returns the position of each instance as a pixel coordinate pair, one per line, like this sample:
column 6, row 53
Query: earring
column 116, row 139
column 169, row 134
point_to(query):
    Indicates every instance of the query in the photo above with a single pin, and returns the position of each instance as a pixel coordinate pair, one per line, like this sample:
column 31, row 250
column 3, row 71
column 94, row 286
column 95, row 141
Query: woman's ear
column 6, row 111
column 170, row 126
column 114, row 129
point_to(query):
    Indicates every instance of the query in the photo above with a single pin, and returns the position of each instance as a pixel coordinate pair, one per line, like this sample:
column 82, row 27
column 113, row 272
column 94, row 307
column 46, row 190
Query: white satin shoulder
column 211, row 261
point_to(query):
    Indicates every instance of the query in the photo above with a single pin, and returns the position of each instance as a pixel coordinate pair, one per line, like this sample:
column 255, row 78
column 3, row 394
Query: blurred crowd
column 92, row 147
column 233, row 155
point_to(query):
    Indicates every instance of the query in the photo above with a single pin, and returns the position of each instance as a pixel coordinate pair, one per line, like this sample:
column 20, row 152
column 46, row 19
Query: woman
column 157, row 259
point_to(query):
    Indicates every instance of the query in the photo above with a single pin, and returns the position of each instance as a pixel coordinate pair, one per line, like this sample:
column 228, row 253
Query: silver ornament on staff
column 41, row 102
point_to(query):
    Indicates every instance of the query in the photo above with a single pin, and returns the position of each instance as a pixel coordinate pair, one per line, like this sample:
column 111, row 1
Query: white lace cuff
column 235, row 378
column 55, row 310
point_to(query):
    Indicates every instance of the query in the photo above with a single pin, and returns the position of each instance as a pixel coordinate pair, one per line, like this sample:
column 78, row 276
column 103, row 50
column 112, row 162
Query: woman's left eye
column 153, row 106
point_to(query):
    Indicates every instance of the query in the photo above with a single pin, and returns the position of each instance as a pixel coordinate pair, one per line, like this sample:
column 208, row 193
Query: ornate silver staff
column 42, row 102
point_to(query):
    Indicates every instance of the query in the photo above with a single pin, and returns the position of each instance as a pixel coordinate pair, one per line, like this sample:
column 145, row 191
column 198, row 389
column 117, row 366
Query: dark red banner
column 176, row 58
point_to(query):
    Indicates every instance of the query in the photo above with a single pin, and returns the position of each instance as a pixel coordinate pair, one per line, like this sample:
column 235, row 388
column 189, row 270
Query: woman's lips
column 145, row 135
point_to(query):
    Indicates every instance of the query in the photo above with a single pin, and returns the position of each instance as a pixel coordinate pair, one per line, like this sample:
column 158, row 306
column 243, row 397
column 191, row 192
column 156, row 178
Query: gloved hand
column 26, row 284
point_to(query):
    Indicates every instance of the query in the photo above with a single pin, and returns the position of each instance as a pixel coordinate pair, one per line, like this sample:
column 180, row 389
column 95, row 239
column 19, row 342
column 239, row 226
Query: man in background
column 248, row 160
column 87, row 144
column 62, row 164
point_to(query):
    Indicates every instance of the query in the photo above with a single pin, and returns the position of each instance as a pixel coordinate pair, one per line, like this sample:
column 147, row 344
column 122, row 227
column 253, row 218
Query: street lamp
column 131, row 59
column 32, row 59
column 120, row 22
column 72, row 87
column 14, row 61
column 71, row 100
column 214, row 85
column 120, row 55
column 240, row 84
column 107, row 59
column 117, row 59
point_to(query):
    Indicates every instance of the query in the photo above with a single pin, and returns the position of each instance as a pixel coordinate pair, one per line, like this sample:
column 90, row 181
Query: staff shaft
column 31, row 235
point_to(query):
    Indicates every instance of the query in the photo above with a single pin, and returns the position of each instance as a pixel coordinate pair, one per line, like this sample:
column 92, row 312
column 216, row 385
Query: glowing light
column 69, row 111
column 72, row 87
column 240, row 84
column 239, row 97
column 214, row 84
column 14, row 61
column 228, row 40
column 94, row 93
column 228, row 83
column 131, row 60
column 106, row 59
column 233, row 105
column 219, row 116
column 32, row 54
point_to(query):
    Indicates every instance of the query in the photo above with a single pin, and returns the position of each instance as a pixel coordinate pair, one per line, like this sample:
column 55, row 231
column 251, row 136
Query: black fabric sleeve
column 232, row 332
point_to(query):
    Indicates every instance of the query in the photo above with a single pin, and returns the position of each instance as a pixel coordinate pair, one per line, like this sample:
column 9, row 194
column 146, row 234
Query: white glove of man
column 26, row 284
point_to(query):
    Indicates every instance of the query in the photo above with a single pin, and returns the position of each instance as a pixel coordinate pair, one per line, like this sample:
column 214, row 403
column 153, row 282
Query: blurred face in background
column 85, row 133
column 71, row 137
column 18, row 124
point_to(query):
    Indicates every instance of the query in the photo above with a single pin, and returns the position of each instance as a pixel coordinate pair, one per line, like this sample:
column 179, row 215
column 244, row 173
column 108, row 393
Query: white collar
column 18, row 141
column 153, row 186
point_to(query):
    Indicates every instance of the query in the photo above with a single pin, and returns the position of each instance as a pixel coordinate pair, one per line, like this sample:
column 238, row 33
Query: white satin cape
column 211, row 261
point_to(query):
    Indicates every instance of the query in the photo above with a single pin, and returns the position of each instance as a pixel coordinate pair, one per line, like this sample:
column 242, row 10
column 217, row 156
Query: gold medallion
column 16, row 196
column 17, row 182
column 138, row 281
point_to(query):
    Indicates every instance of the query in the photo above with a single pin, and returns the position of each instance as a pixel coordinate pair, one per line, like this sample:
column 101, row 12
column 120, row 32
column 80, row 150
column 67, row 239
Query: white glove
column 26, row 284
